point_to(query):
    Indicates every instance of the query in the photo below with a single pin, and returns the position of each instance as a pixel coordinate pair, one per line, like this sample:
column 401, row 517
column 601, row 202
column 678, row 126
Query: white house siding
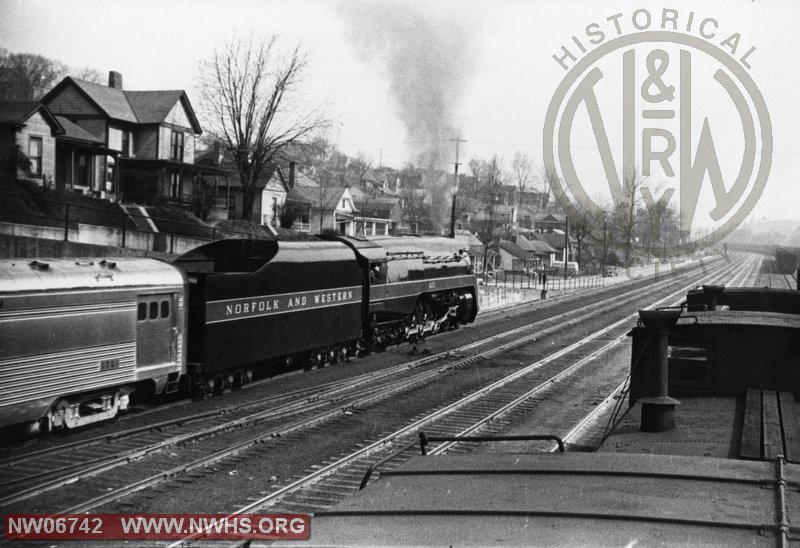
column 36, row 126
column 165, row 139
column 266, row 205
column 178, row 116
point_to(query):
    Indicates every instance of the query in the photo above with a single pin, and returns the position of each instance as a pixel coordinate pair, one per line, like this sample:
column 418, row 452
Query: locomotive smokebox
column 658, row 409
column 712, row 295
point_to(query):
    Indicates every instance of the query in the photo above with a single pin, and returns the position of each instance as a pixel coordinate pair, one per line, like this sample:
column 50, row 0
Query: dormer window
column 176, row 146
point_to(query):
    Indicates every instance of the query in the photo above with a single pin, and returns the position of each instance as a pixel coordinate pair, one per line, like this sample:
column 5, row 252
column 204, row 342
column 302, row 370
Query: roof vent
column 108, row 264
column 39, row 264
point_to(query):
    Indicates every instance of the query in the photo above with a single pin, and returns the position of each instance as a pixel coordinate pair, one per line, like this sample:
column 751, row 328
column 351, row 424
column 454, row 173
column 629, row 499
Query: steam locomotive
column 77, row 337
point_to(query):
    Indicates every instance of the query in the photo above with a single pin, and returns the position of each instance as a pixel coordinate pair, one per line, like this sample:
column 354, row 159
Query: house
column 332, row 208
column 547, row 222
column 557, row 241
column 378, row 213
column 147, row 140
column 524, row 255
column 28, row 133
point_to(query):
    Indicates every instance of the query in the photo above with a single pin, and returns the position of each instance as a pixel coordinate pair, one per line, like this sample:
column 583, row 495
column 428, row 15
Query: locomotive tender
column 78, row 336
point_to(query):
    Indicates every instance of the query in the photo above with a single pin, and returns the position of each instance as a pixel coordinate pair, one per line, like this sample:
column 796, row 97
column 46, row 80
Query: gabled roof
column 16, row 112
column 76, row 133
column 153, row 107
column 136, row 107
column 111, row 101
column 277, row 179
column 554, row 239
column 327, row 198
column 303, row 180
column 535, row 246
column 294, row 196
column 516, row 250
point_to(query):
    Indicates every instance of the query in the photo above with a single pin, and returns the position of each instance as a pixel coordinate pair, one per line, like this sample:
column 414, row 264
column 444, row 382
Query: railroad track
column 335, row 479
column 305, row 408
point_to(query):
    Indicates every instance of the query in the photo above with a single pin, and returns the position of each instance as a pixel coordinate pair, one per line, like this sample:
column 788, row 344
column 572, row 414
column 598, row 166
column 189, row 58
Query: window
column 142, row 312
column 153, row 310
column 176, row 146
column 126, row 143
column 35, row 155
column 82, row 171
column 175, row 185
column 164, row 309
column 111, row 168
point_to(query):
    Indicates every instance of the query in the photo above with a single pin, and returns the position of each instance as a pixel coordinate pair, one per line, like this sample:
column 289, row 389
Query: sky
column 400, row 78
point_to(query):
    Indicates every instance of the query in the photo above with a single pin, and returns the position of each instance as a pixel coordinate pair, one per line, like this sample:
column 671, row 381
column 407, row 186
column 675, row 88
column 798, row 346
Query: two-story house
column 147, row 137
column 332, row 208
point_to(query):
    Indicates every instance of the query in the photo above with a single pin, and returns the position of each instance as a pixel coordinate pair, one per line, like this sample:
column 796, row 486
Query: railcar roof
column 563, row 499
column 24, row 275
column 369, row 249
column 740, row 317
column 431, row 246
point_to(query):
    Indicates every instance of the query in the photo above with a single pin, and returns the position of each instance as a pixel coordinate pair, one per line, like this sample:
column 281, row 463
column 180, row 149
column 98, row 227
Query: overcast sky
column 485, row 67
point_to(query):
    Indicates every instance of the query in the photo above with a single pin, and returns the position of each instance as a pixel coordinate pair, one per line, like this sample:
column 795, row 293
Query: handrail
column 424, row 439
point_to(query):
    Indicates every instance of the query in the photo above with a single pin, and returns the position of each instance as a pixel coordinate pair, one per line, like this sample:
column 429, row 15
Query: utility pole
column 458, row 140
column 566, row 245
column 603, row 271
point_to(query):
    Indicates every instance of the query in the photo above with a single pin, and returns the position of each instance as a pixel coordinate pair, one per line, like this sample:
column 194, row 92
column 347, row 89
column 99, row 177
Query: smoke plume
column 427, row 53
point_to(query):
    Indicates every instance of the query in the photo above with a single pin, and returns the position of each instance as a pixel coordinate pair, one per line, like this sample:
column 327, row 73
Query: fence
column 110, row 226
column 505, row 290
column 523, row 280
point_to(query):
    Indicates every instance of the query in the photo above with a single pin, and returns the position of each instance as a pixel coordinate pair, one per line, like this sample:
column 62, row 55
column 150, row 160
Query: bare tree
column 28, row 76
column 550, row 179
column 491, row 190
column 521, row 167
column 624, row 213
column 579, row 229
column 247, row 88
column 88, row 74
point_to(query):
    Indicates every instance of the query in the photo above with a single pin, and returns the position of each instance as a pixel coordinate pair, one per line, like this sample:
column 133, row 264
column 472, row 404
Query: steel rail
column 560, row 376
column 369, row 396
column 102, row 464
column 394, row 437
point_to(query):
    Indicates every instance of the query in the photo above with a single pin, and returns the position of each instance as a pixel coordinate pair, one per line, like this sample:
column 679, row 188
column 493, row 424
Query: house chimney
column 291, row 174
column 114, row 80
column 217, row 152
